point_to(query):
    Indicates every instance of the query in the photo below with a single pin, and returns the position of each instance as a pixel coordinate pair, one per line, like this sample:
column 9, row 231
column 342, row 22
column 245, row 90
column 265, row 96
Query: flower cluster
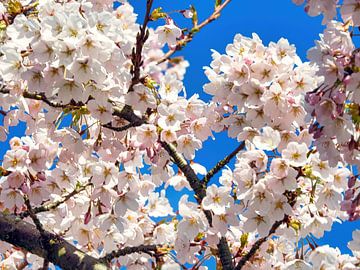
column 260, row 92
column 349, row 9
column 333, row 104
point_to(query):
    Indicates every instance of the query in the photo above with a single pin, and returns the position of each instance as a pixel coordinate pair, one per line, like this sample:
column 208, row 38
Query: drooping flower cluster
column 333, row 105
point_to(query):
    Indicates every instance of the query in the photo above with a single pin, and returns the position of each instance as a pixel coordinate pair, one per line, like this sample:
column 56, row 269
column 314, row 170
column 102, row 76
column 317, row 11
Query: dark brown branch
column 33, row 216
column 22, row 234
column 45, row 264
column 200, row 193
column 128, row 114
column 122, row 128
column 189, row 37
column 222, row 163
column 244, row 259
column 141, row 38
column 40, row 97
column 129, row 250
column 187, row 171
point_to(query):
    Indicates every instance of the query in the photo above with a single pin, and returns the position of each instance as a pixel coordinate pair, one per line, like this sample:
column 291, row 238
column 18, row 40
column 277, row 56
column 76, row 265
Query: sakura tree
column 109, row 128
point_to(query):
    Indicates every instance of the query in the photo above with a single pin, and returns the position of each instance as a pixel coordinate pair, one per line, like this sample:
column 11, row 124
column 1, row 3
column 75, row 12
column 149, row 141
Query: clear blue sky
column 271, row 20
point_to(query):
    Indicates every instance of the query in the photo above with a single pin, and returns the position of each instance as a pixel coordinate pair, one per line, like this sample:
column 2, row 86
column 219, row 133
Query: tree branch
column 36, row 96
column 187, row 38
column 141, row 38
column 187, row 171
column 53, row 205
column 129, row 250
column 26, row 236
column 222, row 163
column 200, row 193
column 244, row 259
column 33, row 216
column 128, row 114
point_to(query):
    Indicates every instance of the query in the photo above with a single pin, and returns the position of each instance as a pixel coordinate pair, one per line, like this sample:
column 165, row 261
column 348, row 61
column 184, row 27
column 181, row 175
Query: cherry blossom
column 110, row 135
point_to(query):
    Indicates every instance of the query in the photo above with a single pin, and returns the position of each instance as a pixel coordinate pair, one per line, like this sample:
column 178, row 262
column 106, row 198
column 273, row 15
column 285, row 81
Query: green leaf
column 244, row 239
column 194, row 17
column 14, row 7
column 157, row 14
column 2, row 25
column 218, row 3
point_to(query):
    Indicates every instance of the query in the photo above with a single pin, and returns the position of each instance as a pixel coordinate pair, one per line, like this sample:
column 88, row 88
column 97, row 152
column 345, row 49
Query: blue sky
column 271, row 20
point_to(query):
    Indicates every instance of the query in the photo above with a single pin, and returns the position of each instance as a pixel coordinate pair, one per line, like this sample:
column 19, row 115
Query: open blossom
column 268, row 140
column 125, row 202
column 158, row 206
column 168, row 34
column 222, row 221
column 295, row 154
column 187, row 144
column 193, row 220
column 217, row 199
column 257, row 222
column 146, row 135
column 15, row 160
column 100, row 110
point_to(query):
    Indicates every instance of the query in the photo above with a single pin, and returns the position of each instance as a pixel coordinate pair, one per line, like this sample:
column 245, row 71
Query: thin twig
column 141, row 38
column 222, row 163
column 123, row 128
column 244, row 259
column 33, row 216
column 129, row 250
column 53, row 205
column 187, row 38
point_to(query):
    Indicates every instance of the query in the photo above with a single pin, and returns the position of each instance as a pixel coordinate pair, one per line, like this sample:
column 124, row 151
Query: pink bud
column 338, row 97
column 348, row 194
column 187, row 13
column 25, row 187
column 248, row 61
column 345, row 206
column 352, row 181
column 87, row 217
column 347, row 80
column 312, row 99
